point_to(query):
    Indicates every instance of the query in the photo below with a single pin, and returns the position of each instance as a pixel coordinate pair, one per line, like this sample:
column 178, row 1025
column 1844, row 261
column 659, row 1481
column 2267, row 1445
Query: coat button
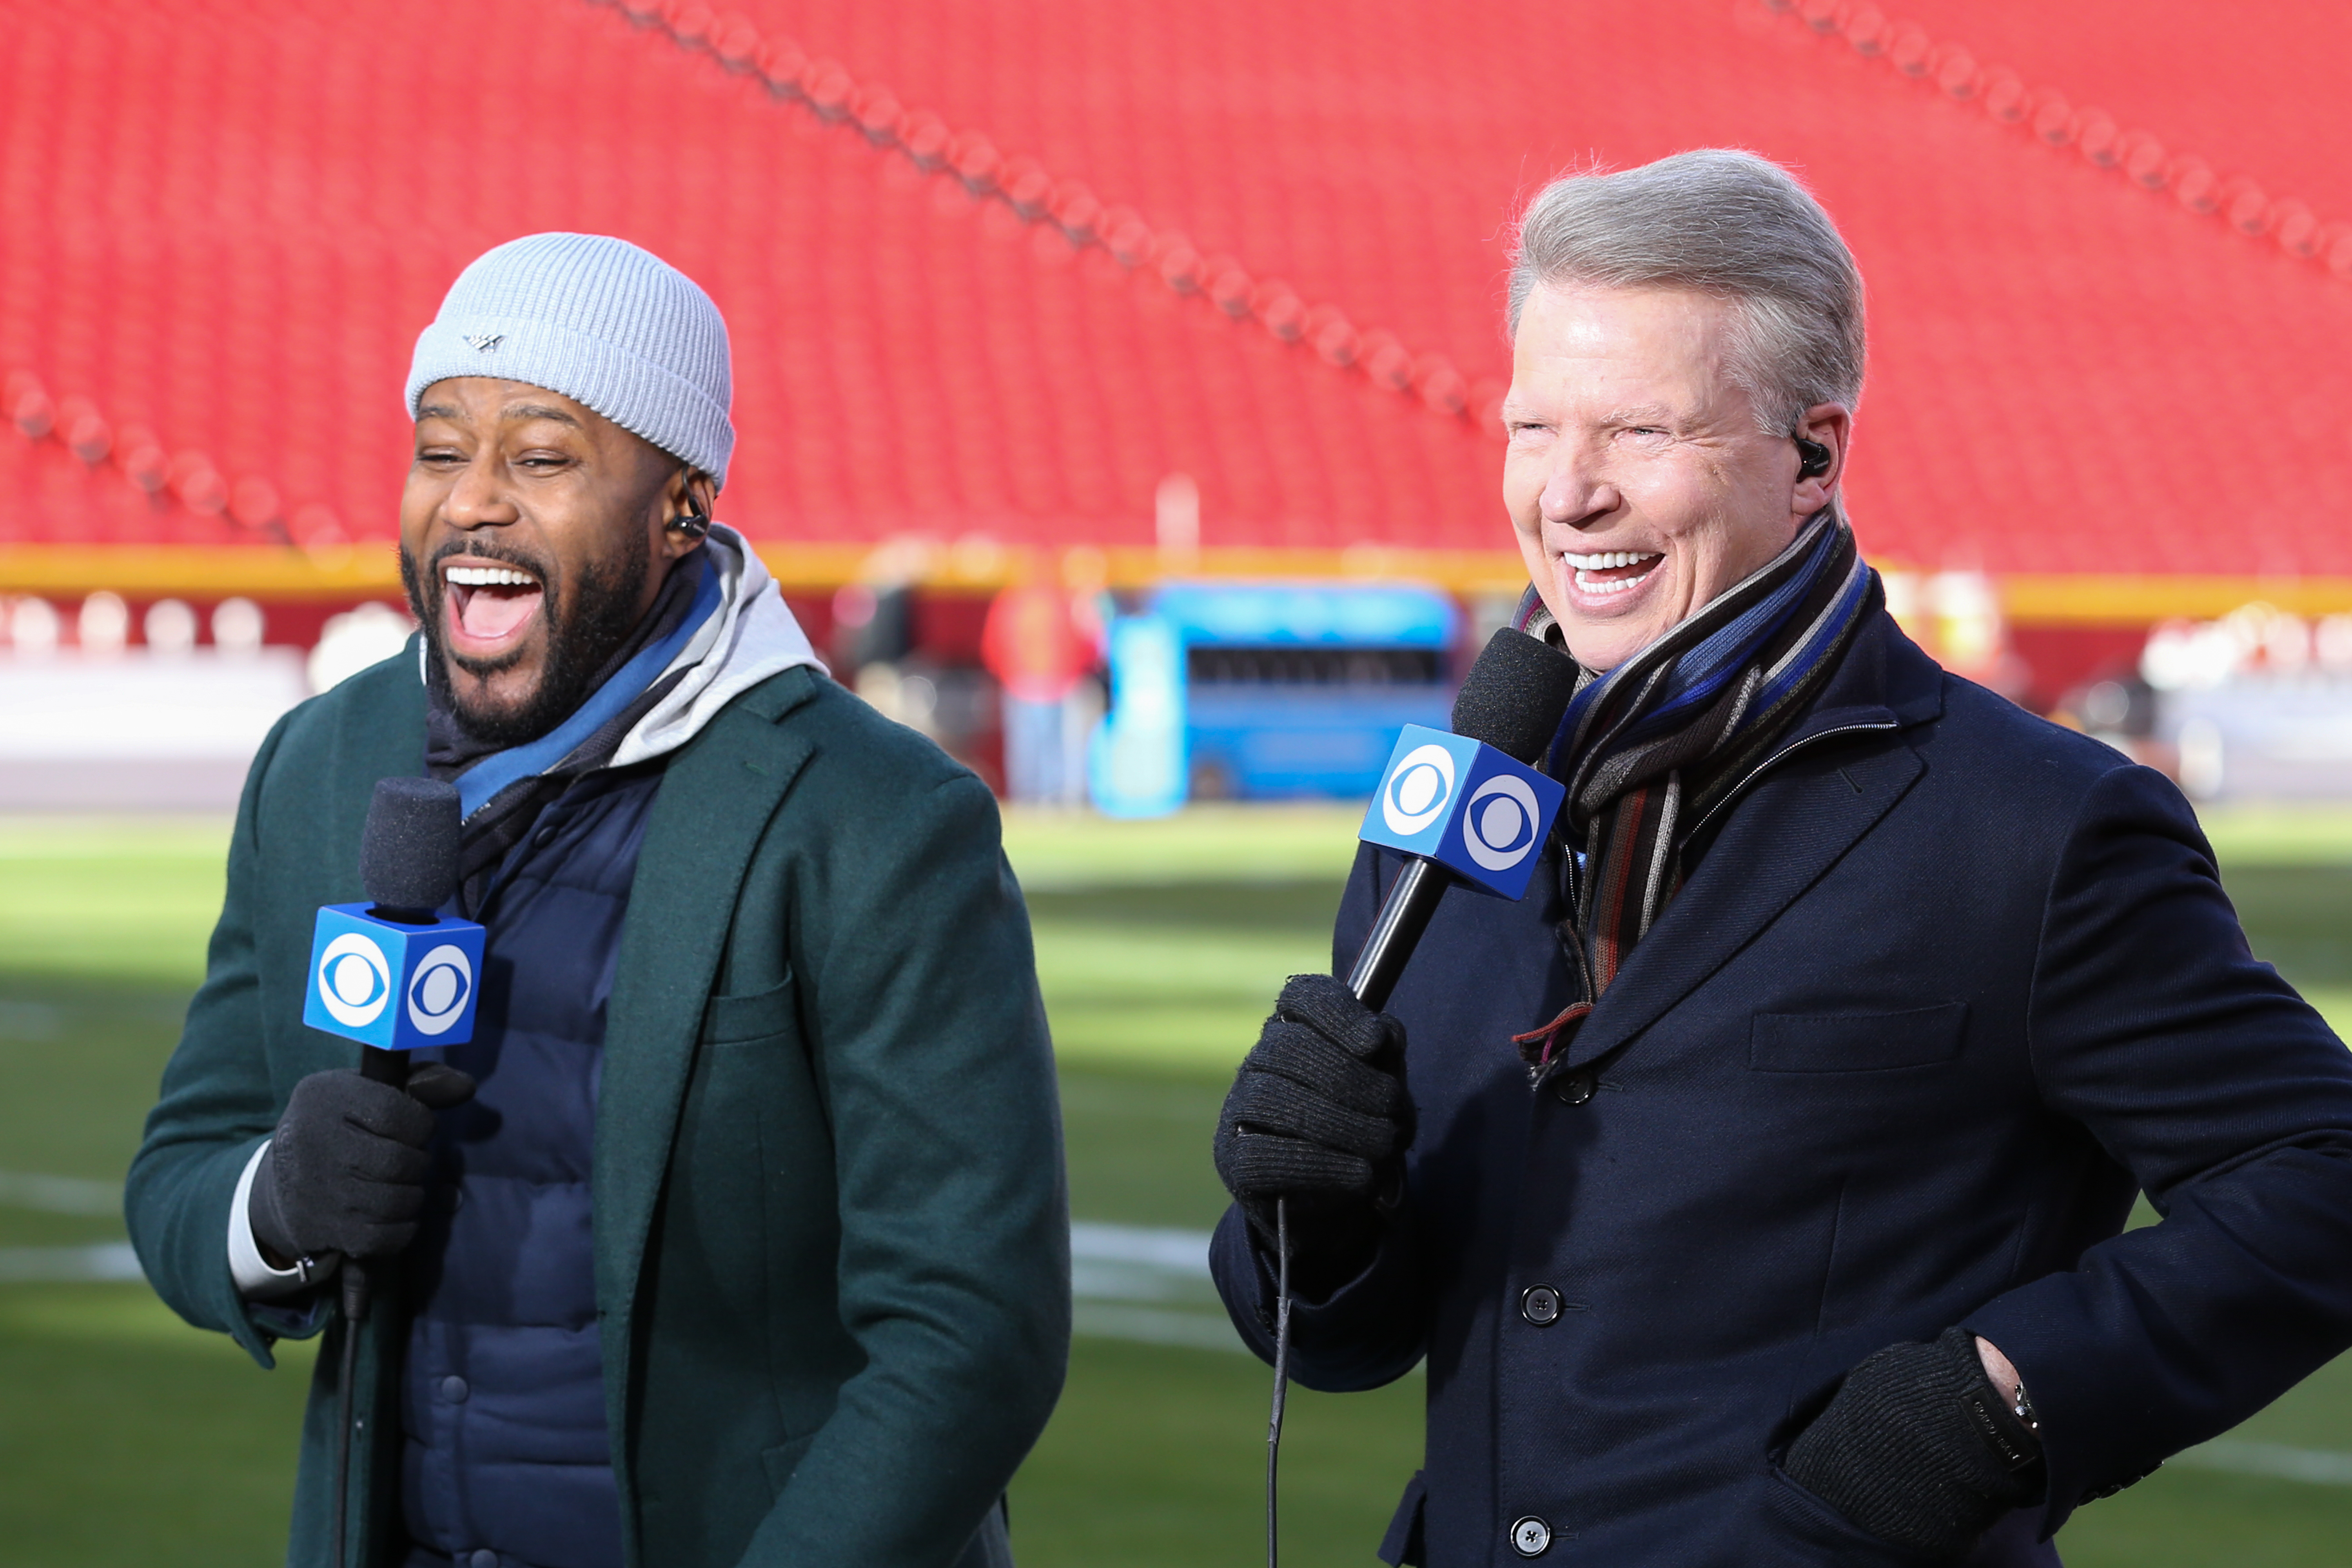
column 1572, row 1088
column 484, row 1557
column 452, row 1390
column 1530, row 1537
column 1540, row 1305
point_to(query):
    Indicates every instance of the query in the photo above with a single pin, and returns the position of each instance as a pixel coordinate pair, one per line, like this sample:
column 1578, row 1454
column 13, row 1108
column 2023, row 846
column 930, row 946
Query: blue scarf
column 483, row 783
column 500, row 791
column 1658, row 741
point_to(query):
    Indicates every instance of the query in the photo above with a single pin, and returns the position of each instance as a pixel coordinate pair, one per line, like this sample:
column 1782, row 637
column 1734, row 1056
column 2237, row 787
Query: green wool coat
column 830, row 1226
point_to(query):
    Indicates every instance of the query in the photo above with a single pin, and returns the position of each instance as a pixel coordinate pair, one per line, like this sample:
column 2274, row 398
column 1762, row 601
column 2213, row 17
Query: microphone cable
column 1281, row 1376
column 385, row 1067
column 1512, row 700
column 355, row 1312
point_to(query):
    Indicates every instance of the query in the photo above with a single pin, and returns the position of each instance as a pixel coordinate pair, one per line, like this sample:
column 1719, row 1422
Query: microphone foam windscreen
column 408, row 856
column 1514, row 696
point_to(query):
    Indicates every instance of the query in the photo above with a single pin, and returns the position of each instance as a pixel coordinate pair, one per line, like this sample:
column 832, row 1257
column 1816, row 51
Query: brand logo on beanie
column 484, row 341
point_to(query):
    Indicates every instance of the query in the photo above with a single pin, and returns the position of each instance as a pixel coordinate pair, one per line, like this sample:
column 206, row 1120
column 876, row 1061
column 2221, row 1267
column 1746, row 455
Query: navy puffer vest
column 507, row 1462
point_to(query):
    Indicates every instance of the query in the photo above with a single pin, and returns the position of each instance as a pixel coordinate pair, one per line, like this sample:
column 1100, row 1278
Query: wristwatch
column 2023, row 1408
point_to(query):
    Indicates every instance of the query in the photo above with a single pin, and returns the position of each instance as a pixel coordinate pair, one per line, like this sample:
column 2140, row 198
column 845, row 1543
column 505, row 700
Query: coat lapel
column 716, row 799
column 1777, row 844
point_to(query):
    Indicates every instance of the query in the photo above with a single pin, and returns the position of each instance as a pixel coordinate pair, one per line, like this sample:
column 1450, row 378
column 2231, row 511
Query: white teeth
column 1609, row 559
column 491, row 577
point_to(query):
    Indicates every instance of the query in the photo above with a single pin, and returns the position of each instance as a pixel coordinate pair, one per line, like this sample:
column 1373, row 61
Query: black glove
column 345, row 1171
column 1920, row 1449
column 1317, row 1112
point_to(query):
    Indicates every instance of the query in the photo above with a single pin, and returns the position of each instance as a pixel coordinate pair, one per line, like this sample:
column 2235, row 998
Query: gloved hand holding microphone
column 344, row 1174
column 1318, row 1117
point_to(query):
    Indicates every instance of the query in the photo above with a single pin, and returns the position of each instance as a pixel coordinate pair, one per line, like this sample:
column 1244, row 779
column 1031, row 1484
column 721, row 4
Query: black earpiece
column 695, row 523
column 1812, row 458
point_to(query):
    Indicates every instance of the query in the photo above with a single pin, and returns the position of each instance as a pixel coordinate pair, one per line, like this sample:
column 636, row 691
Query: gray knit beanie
column 601, row 322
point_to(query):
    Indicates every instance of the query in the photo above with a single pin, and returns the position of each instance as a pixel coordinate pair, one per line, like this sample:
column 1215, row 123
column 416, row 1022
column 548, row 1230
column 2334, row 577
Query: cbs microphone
column 394, row 974
column 1468, row 806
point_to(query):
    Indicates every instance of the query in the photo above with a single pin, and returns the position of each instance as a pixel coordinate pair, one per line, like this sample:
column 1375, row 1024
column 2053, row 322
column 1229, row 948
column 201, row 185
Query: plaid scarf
column 1660, row 739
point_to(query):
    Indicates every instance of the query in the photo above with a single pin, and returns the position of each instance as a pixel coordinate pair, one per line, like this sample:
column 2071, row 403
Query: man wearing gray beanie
column 737, row 1234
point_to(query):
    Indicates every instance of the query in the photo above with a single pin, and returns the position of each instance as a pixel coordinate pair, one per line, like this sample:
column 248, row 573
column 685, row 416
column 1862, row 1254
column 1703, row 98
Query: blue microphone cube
column 390, row 986
column 1465, row 805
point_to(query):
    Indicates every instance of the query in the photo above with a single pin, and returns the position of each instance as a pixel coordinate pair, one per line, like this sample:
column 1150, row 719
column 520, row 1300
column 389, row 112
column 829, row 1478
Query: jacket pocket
column 1402, row 1547
column 1855, row 1042
column 754, row 1015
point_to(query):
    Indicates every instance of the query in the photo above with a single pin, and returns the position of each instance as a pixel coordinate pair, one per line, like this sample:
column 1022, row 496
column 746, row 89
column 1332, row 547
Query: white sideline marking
column 106, row 1261
column 59, row 1194
column 1117, row 1269
column 2320, row 1466
column 1177, row 1251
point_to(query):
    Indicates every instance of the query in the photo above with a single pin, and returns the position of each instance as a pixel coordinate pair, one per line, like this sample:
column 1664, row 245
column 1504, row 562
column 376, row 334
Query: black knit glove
column 1919, row 1450
column 345, row 1171
column 1317, row 1114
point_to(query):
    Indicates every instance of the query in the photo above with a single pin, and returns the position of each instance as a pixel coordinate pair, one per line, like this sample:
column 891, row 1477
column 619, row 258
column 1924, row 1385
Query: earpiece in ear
column 695, row 523
column 1812, row 458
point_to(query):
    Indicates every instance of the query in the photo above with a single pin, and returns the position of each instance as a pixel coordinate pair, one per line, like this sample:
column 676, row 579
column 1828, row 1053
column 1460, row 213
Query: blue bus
column 1268, row 690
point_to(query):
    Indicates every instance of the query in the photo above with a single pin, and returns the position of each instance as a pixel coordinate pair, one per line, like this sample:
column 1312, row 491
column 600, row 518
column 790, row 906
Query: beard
column 584, row 621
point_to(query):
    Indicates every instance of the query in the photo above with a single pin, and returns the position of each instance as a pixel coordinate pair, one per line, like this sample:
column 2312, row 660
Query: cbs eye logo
column 1417, row 791
column 1500, row 832
column 354, row 980
column 437, row 991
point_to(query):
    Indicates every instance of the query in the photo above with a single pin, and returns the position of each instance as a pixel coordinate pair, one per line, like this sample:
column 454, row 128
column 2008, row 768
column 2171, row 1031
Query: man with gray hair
column 1755, row 1190
column 736, row 1235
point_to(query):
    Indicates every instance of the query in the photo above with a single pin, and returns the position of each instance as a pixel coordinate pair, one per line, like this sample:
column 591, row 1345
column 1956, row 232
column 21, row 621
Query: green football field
column 126, row 1438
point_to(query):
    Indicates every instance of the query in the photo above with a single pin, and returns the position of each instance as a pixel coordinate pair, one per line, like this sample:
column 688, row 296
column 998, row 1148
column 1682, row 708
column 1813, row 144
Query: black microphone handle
column 378, row 1066
column 1404, row 915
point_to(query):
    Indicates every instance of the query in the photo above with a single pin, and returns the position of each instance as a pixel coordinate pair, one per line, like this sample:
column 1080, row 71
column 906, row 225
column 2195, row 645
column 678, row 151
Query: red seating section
column 998, row 270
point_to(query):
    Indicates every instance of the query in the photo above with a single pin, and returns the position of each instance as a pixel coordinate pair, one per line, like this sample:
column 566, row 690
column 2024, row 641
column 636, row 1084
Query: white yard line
column 59, row 1194
column 2320, row 1466
column 105, row 1262
column 1148, row 1284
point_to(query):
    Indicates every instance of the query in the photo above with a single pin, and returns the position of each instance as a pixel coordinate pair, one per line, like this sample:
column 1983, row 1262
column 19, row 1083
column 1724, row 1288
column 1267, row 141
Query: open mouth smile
column 488, row 604
column 1610, row 571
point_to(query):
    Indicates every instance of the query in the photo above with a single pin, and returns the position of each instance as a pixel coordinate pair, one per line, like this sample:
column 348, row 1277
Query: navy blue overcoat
column 1947, row 988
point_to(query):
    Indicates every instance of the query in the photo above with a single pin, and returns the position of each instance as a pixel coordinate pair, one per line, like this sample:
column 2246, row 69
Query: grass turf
column 125, row 1437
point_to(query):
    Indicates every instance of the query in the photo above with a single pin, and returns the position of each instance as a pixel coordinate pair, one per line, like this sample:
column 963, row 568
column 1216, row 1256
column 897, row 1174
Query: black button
column 1572, row 1088
column 1530, row 1536
column 544, row 836
column 1540, row 1305
column 453, row 1389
